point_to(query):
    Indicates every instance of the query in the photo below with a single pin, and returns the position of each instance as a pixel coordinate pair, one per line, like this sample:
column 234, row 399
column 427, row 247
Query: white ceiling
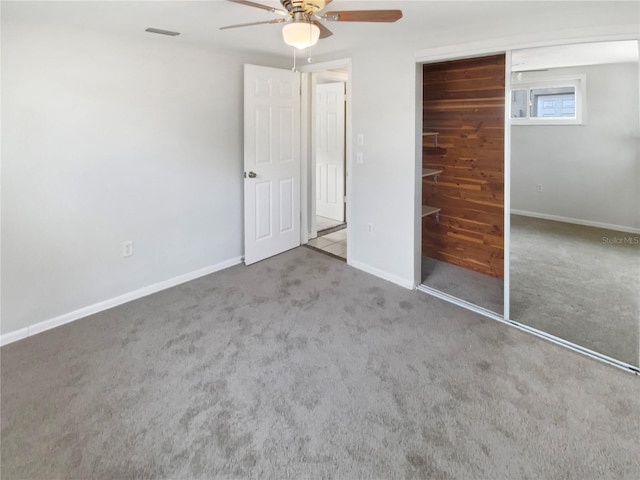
column 425, row 23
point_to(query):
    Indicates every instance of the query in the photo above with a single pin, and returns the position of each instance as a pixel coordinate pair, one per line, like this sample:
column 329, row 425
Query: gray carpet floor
column 303, row 367
column 569, row 281
column 473, row 287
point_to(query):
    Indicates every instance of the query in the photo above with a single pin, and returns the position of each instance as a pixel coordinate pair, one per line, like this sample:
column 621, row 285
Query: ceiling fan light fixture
column 301, row 35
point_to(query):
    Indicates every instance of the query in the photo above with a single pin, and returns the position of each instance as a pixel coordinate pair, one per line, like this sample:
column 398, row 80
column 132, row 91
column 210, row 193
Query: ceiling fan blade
column 277, row 20
column 324, row 31
column 364, row 16
column 259, row 5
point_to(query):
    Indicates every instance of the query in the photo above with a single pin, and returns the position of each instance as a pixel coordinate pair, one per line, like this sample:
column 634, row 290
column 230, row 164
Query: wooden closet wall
column 463, row 101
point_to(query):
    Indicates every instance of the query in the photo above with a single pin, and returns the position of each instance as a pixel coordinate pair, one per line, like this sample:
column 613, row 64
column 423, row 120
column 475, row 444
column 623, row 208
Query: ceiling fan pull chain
column 294, row 60
column 310, row 42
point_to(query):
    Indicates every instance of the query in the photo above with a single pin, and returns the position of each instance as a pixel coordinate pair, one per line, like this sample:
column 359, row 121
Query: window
column 548, row 102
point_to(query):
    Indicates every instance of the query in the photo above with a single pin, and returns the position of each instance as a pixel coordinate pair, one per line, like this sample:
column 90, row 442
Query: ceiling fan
column 302, row 17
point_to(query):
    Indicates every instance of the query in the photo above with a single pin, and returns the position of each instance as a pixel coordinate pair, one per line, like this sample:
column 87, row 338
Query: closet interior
column 463, row 179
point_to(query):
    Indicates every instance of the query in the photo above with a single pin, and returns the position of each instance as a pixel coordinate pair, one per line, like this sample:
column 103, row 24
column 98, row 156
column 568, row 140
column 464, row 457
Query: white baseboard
column 382, row 274
column 114, row 302
column 14, row 336
column 576, row 221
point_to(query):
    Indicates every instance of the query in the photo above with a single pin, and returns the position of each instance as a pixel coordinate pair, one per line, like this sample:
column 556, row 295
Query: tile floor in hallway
column 324, row 223
column 334, row 243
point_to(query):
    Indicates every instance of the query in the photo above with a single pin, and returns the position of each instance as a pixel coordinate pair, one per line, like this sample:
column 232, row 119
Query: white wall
column 382, row 195
column 589, row 173
column 107, row 139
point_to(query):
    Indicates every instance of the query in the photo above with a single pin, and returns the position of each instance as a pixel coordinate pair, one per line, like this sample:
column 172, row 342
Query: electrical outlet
column 359, row 158
column 539, row 188
column 127, row 248
column 360, row 139
column 369, row 228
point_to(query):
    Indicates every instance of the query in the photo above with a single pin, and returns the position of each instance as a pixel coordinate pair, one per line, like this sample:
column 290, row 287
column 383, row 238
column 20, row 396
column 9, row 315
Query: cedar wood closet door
column 463, row 100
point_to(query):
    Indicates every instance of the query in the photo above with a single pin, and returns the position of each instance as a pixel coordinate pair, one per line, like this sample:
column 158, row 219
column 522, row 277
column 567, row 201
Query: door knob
column 252, row 175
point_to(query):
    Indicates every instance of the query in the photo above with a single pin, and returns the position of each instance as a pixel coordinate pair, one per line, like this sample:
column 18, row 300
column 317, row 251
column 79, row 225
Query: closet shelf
column 428, row 172
column 433, row 135
column 427, row 210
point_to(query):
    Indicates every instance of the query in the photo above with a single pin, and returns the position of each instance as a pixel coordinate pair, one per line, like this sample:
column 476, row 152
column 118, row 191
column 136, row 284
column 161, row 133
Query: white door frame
column 307, row 157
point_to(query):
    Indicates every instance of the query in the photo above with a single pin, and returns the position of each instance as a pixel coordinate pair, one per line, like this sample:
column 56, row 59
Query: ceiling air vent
column 162, row 32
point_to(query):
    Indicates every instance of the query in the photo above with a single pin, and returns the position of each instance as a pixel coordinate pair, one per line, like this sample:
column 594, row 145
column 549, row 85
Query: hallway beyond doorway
column 324, row 223
column 333, row 243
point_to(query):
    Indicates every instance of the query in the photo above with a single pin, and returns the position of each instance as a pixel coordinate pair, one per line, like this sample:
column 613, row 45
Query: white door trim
column 306, row 202
column 506, row 277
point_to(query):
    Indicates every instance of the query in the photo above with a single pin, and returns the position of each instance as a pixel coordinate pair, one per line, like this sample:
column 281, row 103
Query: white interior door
column 271, row 162
column 329, row 145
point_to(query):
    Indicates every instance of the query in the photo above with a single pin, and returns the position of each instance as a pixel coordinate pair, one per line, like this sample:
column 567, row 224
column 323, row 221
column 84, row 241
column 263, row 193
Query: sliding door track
column 538, row 333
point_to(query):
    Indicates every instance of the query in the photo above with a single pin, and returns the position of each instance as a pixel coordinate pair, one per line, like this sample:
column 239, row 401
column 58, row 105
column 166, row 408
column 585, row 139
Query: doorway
column 327, row 163
column 463, row 128
column 328, row 144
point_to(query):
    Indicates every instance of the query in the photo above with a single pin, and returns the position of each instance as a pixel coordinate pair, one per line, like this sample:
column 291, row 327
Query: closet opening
column 520, row 222
column 463, row 189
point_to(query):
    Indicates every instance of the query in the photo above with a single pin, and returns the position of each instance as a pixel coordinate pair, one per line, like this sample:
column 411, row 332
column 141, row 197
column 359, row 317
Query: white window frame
column 532, row 82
